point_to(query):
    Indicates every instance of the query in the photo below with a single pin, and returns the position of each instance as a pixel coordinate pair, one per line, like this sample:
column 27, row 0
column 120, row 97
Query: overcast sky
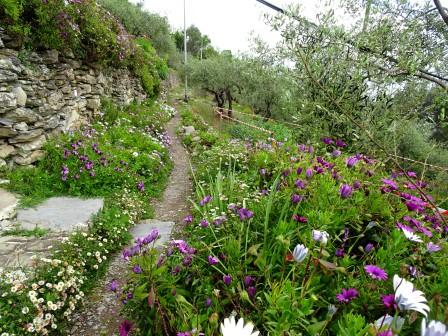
column 228, row 23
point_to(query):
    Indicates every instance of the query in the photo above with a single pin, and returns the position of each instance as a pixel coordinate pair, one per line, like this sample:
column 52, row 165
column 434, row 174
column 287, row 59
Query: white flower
column 320, row 236
column 435, row 328
column 299, row 253
column 390, row 322
column 409, row 299
column 231, row 328
column 412, row 236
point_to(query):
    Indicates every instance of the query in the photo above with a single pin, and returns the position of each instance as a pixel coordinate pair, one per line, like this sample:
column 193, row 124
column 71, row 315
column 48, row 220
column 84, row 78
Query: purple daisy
column 212, row 260
column 347, row 295
column 375, row 272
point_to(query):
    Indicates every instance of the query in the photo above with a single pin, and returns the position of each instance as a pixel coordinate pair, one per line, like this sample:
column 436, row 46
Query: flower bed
column 300, row 240
column 122, row 157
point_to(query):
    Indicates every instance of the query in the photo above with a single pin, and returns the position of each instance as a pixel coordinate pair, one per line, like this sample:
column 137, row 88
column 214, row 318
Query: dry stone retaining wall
column 45, row 93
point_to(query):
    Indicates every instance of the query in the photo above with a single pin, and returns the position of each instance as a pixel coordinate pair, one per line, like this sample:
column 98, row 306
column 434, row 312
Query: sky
column 228, row 23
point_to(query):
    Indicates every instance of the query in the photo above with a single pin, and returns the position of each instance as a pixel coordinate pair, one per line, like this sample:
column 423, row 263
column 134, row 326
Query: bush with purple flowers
column 360, row 228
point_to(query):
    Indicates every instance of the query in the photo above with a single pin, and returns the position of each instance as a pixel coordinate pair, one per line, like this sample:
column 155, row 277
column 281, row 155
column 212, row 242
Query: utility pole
column 185, row 53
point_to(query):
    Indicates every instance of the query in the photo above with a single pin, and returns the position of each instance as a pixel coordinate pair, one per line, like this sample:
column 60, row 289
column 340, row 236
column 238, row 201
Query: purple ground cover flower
column 336, row 153
column 208, row 302
column 212, row 260
column 251, row 291
column 368, row 247
column 389, row 301
column 386, row 333
column 340, row 143
column 113, row 286
column 137, row 269
column 389, row 184
column 296, row 198
column 356, row 185
column 339, row 253
column 300, row 219
column 188, row 219
column 431, row 247
column 203, row 223
column 375, row 272
column 345, row 191
column 125, row 328
column 347, row 295
column 245, row 214
column 205, row 200
column 227, row 279
column 248, row 281
column 141, row 186
column 309, row 173
column 299, row 170
column 351, row 161
column 299, row 184
column 327, row 140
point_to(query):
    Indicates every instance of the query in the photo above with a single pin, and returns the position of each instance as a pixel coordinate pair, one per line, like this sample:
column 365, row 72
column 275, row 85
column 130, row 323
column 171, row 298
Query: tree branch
column 442, row 11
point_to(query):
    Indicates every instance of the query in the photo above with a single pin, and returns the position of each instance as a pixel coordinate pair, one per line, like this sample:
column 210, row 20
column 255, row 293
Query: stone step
column 143, row 228
column 60, row 214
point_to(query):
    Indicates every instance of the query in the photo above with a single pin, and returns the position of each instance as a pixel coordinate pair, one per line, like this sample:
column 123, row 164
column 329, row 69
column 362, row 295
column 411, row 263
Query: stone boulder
column 20, row 96
column 189, row 130
column 6, row 150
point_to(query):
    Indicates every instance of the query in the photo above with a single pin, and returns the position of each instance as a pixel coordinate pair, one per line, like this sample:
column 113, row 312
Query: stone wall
column 45, row 93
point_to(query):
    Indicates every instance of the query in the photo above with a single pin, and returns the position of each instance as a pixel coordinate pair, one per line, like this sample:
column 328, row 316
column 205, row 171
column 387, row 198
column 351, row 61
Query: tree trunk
column 229, row 99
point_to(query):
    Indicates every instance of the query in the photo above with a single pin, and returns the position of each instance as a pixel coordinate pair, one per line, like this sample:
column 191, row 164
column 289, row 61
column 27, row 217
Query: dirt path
column 100, row 315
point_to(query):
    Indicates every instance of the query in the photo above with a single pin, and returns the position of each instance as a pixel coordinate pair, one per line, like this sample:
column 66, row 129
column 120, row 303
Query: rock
column 21, row 127
column 88, row 79
column 50, row 57
column 22, row 114
column 7, row 64
column 6, row 150
column 7, row 100
column 93, row 103
column 71, row 121
column 25, row 161
column 6, row 132
column 55, row 100
column 85, row 88
column 8, row 204
column 51, row 123
column 188, row 130
column 20, row 95
column 1, row 44
column 26, row 136
column 31, row 146
column 2, row 163
column 7, row 76
column 196, row 139
column 145, row 227
column 60, row 214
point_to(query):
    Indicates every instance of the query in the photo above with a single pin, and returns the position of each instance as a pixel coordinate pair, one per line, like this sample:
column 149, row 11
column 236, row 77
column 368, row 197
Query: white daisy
column 409, row 299
column 390, row 322
column 231, row 328
column 412, row 236
column 299, row 253
column 320, row 236
column 434, row 328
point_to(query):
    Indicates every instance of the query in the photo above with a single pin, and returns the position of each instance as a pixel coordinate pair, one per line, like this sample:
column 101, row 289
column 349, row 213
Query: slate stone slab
column 145, row 227
column 60, row 214
column 8, row 203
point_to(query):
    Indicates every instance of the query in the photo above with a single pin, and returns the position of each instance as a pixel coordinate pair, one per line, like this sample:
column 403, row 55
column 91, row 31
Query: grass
column 36, row 232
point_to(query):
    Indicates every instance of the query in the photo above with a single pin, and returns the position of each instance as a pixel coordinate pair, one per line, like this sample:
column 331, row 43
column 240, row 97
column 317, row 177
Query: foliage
column 122, row 157
column 255, row 202
column 141, row 23
column 198, row 45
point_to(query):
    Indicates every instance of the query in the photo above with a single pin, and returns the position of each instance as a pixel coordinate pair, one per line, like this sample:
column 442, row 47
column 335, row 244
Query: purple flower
column 356, row 185
column 327, row 140
column 431, row 247
column 251, row 291
column 390, row 184
column 203, row 223
column 188, row 219
column 336, row 153
column 89, row 165
column 125, row 328
column 340, row 143
column 208, row 302
column 309, row 173
column 351, row 161
column 141, row 186
column 347, row 295
column 299, row 171
column 411, row 174
column 339, row 253
column 212, row 260
column 345, row 191
column 227, row 279
column 375, row 272
column 262, row 172
column 296, row 198
column 137, row 269
column 248, row 281
column 368, row 247
column 205, row 200
column 300, row 184
column 389, row 301
column 113, row 286
column 188, row 259
column 299, row 219
column 245, row 214
column 387, row 332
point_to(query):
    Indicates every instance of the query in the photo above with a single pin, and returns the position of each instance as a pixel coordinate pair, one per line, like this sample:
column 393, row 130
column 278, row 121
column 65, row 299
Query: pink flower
column 375, row 272
column 347, row 295
column 125, row 328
